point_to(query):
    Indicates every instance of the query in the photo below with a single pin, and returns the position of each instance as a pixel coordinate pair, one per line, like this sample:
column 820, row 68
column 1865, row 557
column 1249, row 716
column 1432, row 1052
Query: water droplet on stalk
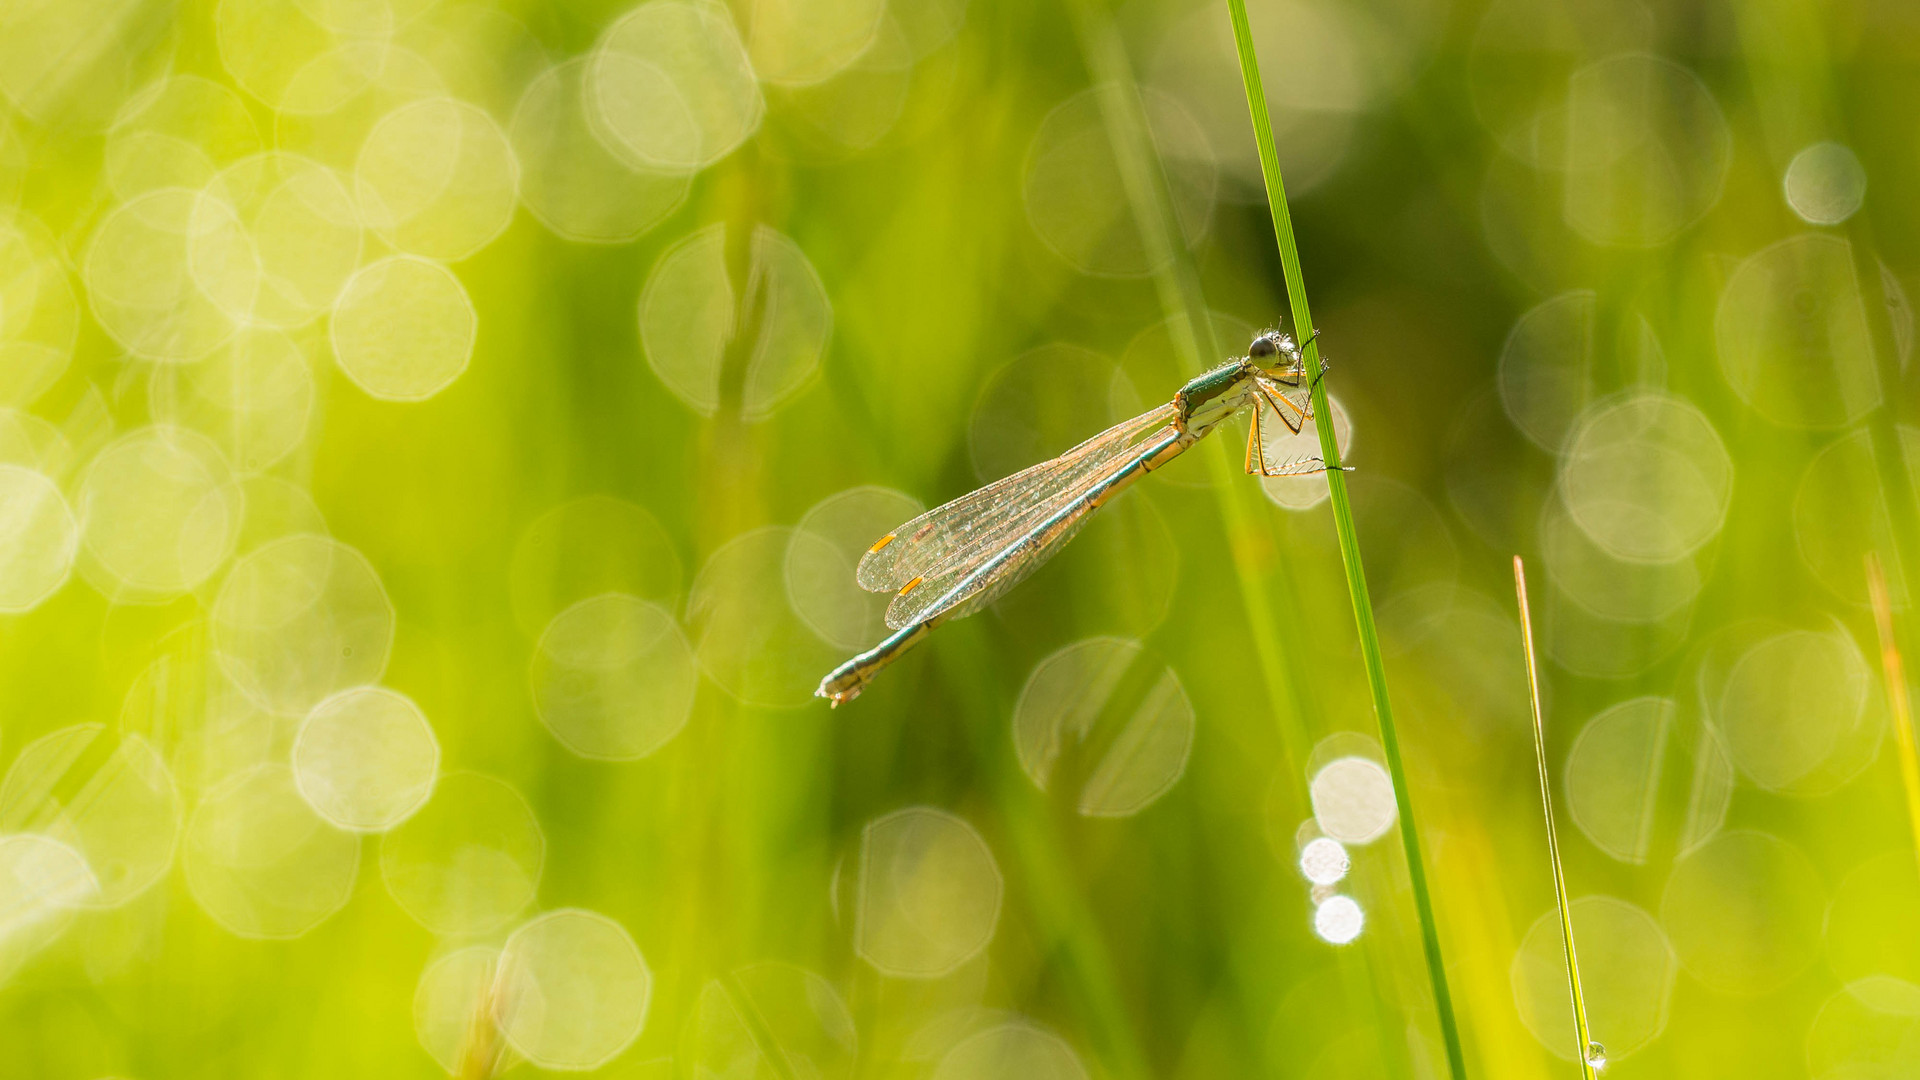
column 1338, row 919
column 1324, row 861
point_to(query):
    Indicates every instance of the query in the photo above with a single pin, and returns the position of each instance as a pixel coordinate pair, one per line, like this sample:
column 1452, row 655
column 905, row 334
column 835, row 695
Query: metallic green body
column 1212, row 396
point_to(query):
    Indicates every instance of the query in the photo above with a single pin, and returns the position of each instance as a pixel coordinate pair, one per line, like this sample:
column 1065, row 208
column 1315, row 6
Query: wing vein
column 976, row 576
column 987, row 517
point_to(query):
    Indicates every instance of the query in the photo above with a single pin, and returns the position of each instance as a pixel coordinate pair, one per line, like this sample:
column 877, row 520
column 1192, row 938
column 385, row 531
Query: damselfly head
column 1273, row 351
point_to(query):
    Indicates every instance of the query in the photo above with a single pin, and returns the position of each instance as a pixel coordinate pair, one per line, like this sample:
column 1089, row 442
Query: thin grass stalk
column 1883, row 424
column 1183, row 300
column 1177, row 283
column 1897, row 702
column 1586, row 1052
column 772, row 1055
column 1349, row 541
column 481, row 1053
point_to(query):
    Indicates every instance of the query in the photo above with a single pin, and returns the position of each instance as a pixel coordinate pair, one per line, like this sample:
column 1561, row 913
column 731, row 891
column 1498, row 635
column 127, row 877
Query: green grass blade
column 1349, row 542
column 1587, row 1051
column 1182, row 297
column 1177, row 282
column 1897, row 701
column 1176, row 278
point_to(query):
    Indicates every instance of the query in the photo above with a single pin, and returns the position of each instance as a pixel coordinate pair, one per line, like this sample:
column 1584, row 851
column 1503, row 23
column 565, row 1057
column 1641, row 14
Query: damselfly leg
column 957, row 558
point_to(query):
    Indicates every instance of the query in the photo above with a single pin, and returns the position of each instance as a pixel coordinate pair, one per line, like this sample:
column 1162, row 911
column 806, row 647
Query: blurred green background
column 438, row 438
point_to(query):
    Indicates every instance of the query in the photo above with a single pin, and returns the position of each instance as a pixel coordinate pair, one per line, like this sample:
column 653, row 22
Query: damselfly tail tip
column 835, row 698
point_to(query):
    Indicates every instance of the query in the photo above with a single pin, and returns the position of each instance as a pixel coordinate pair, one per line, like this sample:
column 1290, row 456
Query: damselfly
column 955, row 559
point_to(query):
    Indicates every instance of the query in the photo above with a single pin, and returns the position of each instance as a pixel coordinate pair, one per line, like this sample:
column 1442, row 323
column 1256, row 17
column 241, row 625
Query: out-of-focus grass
column 1893, row 675
column 1350, row 558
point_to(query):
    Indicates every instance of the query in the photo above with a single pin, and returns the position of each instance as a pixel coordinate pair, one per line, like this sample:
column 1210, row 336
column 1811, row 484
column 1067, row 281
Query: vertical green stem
column 1883, row 423
column 1183, row 300
column 1581, row 1031
column 1177, row 282
column 1897, row 701
column 1349, row 542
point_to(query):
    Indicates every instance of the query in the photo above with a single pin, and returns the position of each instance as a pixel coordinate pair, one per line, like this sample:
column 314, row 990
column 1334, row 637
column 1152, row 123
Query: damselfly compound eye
column 1264, row 347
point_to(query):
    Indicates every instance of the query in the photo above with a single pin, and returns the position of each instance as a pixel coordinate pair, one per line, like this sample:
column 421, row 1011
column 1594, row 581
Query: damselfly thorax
column 955, row 559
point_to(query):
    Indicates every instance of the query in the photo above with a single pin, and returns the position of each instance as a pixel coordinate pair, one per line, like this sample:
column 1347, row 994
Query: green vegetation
column 1590, row 1054
column 1350, row 545
column 437, row 438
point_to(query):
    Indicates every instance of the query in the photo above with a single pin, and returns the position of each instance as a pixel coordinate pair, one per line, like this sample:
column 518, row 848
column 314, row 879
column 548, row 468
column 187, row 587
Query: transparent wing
column 1289, row 443
column 983, row 520
column 1028, row 553
column 1016, row 571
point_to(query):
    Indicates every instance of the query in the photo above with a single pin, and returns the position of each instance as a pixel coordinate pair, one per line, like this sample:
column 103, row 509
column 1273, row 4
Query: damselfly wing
column 957, row 558
column 974, row 524
column 974, row 577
